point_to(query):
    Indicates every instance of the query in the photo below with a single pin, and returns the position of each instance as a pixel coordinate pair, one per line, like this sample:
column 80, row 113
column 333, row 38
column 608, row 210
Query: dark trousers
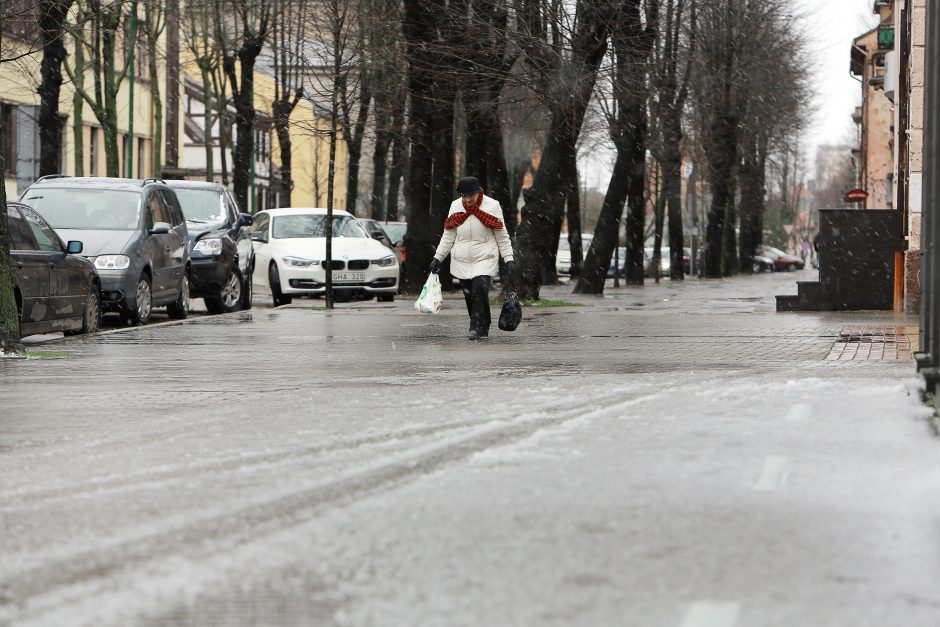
column 476, row 292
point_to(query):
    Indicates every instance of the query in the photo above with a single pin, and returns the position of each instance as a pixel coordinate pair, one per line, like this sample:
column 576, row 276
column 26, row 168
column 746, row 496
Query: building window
column 8, row 121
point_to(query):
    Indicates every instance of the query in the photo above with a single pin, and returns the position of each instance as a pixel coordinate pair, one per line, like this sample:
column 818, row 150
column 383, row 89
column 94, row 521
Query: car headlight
column 211, row 246
column 385, row 261
column 299, row 262
column 112, row 262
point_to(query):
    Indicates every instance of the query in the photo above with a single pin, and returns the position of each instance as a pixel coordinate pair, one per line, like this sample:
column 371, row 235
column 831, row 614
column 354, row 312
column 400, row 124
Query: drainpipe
column 927, row 359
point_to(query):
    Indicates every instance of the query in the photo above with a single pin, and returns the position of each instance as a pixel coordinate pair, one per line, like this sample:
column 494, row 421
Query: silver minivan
column 134, row 233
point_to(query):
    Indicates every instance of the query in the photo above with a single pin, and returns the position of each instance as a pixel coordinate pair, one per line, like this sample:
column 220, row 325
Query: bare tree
column 110, row 63
column 672, row 64
column 154, row 25
column 287, row 49
column 243, row 28
column 52, row 16
column 627, row 118
column 570, row 69
column 13, row 13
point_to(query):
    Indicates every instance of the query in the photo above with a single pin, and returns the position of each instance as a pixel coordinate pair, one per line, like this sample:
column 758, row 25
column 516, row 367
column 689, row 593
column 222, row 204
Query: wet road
column 672, row 455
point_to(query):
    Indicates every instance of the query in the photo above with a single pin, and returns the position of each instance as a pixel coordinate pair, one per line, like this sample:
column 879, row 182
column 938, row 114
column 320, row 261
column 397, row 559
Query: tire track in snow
column 19, row 590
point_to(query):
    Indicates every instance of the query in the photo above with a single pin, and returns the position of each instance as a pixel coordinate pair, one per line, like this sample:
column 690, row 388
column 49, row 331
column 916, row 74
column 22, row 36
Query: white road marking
column 774, row 474
column 712, row 614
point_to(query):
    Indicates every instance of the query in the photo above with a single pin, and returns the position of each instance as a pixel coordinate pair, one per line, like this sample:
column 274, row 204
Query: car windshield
column 772, row 253
column 201, row 205
column 395, row 232
column 70, row 208
column 307, row 225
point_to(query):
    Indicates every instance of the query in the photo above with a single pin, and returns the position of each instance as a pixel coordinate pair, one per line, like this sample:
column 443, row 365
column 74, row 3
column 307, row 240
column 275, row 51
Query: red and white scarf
column 488, row 220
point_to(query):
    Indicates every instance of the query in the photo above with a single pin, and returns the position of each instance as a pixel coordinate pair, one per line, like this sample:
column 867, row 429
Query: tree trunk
column 172, row 83
column 282, row 112
column 383, row 138
column 208, row 123
column 397, row 171
column 672, row 188
column 9, row 320
column 245, row 128
column 607, row 231
column 575, row 83
column 636, row 187
column 156, row 151
column 419, row 28
column 752, row 177
column 109, row 122
column 573, row 196
column 354, row 151
column 78, row 109
column 659, row 216
column 52, row 14
column 443, row 164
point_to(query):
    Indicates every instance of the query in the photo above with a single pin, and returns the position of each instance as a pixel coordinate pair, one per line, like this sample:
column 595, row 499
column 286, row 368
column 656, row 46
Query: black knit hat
column 468, row 185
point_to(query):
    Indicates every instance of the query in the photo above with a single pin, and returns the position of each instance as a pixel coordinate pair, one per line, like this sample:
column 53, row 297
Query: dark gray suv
column 134, row 233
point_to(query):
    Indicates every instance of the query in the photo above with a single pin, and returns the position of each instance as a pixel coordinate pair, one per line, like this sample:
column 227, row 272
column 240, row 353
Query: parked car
column 649, row 269
column 220, row 251
column 56, row 289
column 396, row 233
column 290, row 251
column 782, row 261
column 563, row 257
column 134, row 233
column 762, row 264
column 618, row 262
column 377, row 231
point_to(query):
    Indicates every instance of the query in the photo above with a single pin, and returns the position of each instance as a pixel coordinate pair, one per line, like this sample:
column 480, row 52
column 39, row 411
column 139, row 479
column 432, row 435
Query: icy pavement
column 667, row 456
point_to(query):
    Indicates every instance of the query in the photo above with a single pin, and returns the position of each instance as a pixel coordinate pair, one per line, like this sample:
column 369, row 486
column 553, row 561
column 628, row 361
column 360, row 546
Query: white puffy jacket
column 474, row 248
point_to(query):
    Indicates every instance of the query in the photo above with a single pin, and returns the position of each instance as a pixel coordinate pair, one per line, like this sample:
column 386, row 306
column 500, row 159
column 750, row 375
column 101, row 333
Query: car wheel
column 230, row 298
column 91, row 318
column 179, row 308
column 143, row 303
column 385, row 298
column 274, row 280
column 791, row 267
column 246, row 290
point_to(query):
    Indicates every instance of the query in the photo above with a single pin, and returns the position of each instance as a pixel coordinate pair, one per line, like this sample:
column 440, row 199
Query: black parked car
column 55, row 288
column 220, row 251
column 134, row 233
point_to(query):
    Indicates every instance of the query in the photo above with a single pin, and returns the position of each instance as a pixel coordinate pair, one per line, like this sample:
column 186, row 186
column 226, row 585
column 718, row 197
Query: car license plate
column 348, row 277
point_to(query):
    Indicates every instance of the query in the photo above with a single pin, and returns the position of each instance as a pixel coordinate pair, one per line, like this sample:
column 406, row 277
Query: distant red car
column 783, row 262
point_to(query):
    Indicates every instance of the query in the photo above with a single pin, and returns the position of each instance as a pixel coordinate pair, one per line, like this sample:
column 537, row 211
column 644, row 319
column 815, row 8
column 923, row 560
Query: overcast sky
column 831, row 26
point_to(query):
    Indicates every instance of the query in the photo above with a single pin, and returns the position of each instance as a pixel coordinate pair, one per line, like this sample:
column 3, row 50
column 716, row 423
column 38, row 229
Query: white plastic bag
column 431, row 299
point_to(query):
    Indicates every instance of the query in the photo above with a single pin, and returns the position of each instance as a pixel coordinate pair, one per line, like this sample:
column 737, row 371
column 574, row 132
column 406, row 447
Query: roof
column 182, row 184
column 96, row 182
column 311, row 211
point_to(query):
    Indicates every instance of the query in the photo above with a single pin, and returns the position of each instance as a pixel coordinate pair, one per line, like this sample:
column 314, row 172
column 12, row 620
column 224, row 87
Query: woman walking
column 475, row 237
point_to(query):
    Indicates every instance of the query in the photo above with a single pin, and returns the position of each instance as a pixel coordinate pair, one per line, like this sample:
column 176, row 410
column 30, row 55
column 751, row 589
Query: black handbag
column 511, row 315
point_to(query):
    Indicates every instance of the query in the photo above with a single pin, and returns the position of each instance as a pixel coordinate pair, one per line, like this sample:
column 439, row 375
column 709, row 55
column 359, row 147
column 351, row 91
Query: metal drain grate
column 869, row 342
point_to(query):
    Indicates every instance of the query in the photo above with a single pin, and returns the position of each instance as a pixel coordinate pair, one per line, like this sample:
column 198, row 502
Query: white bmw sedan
column 290, row 256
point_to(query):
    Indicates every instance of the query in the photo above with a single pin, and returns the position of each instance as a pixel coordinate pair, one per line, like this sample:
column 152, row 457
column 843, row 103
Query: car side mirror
column 377, row 236
column 75, row 247
column 160, row 228
column 244, row 219
column 257, row 236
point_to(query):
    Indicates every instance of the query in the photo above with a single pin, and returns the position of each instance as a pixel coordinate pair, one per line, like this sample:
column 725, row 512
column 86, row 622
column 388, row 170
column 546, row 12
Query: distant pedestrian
column 475, row 237
column 817, row 244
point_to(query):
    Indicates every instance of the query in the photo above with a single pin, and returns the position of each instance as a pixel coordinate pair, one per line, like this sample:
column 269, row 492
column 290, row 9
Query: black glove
column 510, row 268
column 435, row 266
